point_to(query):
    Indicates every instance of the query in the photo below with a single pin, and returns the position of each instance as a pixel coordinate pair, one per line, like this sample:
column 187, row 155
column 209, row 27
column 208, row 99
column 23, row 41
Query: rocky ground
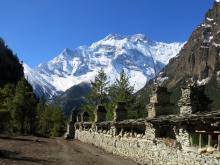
column 35, row 151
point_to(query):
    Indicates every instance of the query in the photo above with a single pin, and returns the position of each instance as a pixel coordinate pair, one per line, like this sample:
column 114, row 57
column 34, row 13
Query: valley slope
column 199, row 59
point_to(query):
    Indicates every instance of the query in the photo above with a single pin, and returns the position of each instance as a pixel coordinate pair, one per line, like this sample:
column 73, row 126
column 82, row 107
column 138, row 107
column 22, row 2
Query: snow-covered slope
column 136, row 54
column 40, row 85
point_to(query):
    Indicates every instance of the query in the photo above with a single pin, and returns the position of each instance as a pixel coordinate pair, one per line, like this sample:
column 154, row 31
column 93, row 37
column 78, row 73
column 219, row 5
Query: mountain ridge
column 140, row 57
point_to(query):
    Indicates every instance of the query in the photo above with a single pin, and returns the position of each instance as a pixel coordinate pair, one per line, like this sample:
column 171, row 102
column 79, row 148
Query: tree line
column 21, row 112
column 109, row 95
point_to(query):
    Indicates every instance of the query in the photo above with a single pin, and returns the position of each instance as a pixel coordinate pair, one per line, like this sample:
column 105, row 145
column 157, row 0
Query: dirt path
column 42, row 151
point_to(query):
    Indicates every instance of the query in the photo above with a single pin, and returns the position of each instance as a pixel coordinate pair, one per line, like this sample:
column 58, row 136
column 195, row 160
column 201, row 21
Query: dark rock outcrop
column 11, row 70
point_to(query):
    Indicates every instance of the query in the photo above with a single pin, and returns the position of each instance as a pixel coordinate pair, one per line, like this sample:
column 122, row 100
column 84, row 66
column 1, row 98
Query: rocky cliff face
column 199, row 59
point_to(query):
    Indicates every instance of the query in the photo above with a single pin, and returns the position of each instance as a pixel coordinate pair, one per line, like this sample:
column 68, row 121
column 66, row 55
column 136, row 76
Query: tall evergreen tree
column 98, row 94
column 24, row 107
column 19, row 111
column 6, row 97
column 51, row 121
column 58, row 122
column 122, row 91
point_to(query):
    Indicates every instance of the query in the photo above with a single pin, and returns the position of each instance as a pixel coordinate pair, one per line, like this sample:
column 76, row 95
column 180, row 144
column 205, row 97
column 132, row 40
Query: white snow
column 203, row 81
column 215, row 44
column 210, row 38
column 40, row 85
column 161, row 80
column 206, row 25
column 140, row 57
column 209, row 19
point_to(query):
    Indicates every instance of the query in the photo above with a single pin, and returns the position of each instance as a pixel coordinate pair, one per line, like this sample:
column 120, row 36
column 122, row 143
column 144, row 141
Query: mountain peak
column 113, row 36
column 67, row 51
column 134, row 53
column 139, row 36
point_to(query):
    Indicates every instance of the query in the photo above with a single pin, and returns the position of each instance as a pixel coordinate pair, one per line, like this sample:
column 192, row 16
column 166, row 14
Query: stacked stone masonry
column 159, row 138
column 143, row 150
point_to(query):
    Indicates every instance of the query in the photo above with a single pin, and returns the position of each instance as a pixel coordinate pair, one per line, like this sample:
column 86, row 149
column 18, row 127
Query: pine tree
column 6, row 97
column 46, row 121
column 23, row 108
column 122, row 91
column 58, row 122
column 98, row 94
column 51, row 121
column 41, row 105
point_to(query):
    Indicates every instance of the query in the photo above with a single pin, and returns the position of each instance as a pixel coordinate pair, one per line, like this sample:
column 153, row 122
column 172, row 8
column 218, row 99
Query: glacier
column 141, row 58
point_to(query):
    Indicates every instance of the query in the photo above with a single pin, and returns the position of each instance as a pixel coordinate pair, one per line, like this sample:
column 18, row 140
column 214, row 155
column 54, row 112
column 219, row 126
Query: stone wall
column 143, row 150
column 159, row 139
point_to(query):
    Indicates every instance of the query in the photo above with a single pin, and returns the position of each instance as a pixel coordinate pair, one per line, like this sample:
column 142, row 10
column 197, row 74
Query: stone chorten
column 159, row 102
column 120, row 112
column 193, row 99
column 84, row 116
column 100, row 113
column 70, row 125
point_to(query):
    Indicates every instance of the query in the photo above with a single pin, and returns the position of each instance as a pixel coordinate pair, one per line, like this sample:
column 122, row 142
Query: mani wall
column 191, row 137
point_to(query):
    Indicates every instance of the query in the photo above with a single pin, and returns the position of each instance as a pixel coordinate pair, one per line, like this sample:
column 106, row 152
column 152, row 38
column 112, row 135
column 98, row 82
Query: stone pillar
column 70, row 133
column 219, row 142
column 159, row 102
column 191, row 140
column 120, row 112
column 187, row 102
column 200, row 140
column 193, row 99
column 209, row 140
column 150, row 131
column 113, row 131
column 183, row 137
column 80, row 127
column 100, row 113
column 122, row 132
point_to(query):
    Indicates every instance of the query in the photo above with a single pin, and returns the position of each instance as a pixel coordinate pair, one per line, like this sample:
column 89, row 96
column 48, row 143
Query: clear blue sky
column 38, row 30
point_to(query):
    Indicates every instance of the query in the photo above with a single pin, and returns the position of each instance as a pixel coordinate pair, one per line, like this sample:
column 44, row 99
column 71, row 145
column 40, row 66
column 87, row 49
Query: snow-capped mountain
column 41, row 86
column 140, row 57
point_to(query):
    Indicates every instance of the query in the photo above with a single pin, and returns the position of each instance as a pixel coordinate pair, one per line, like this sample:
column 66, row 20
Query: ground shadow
column 21, row 139
column 11, row 155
